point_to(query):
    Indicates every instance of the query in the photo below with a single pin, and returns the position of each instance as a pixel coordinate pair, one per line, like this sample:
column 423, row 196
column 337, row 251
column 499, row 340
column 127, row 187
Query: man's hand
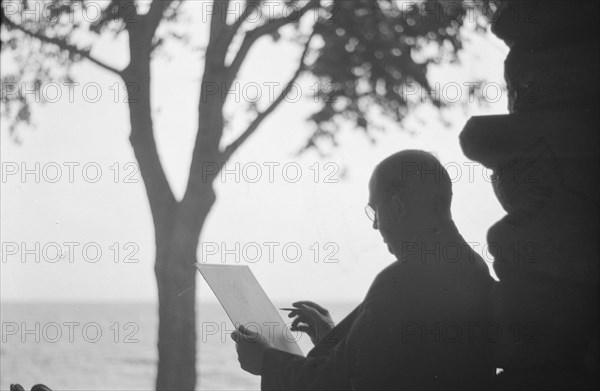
column 250, row 348
column 311, row 319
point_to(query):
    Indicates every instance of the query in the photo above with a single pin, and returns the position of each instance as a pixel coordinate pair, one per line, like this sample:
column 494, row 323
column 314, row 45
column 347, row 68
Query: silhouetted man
column 423, row 324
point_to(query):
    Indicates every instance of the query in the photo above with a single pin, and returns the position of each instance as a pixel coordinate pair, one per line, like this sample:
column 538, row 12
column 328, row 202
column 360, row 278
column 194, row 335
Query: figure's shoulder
column 464, row 258
column 389, row 273
column 388, row 281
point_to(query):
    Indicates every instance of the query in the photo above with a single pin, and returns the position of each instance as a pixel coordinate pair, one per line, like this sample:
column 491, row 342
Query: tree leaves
column 372, row 50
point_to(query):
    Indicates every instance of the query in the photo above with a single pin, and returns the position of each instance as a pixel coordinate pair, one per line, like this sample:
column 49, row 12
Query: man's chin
column 390, row 249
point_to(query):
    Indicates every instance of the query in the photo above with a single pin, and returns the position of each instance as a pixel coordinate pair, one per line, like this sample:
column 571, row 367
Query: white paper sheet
column 246, row 303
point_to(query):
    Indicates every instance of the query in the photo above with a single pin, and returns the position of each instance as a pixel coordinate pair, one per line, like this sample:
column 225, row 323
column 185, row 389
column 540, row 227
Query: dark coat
column 423, row 325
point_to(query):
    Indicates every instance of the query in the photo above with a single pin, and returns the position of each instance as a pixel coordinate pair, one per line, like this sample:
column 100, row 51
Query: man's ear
column 399, row 206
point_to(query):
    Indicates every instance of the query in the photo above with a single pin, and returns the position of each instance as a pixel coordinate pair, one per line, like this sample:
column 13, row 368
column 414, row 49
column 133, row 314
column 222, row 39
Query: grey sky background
column 321, row 215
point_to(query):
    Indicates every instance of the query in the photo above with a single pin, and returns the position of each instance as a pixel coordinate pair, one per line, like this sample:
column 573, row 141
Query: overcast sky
column 298, row 203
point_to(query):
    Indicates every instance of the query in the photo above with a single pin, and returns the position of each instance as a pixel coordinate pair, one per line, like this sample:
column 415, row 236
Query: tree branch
column 219, row 40
column 219, row 16
column 231, row 148
column 61, row 43
column 233, row 29
column 248, row 8
column 155, row 15
column 271, row 26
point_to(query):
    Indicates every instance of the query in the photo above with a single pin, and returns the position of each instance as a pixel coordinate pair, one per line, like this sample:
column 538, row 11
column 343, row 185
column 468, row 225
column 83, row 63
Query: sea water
column 112, row 346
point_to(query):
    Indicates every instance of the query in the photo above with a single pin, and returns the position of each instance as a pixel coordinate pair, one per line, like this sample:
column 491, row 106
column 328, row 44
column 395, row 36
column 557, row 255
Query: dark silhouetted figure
column 423, row 324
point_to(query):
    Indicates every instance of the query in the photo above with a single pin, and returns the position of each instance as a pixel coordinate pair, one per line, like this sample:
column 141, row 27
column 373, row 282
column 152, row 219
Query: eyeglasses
column 370, row 212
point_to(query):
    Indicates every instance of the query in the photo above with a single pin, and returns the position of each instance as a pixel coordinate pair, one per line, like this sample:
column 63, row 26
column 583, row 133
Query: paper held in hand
column 246, row 303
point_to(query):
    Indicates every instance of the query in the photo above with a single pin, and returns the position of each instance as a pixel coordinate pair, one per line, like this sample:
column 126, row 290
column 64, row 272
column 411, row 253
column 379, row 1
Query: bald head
column 417, row 178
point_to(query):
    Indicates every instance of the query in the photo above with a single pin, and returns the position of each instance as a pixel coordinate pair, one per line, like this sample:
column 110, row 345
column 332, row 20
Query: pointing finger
column 311, row 312
column 311, row 304
column 306, row 312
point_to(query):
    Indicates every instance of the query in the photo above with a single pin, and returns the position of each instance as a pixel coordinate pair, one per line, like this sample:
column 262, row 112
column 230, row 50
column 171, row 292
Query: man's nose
column 375, row 224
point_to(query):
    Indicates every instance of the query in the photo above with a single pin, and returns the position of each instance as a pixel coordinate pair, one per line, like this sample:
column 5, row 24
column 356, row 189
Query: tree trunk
column 177, row 227
column 176, row 278
column 177, row 224
column 176, row 283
